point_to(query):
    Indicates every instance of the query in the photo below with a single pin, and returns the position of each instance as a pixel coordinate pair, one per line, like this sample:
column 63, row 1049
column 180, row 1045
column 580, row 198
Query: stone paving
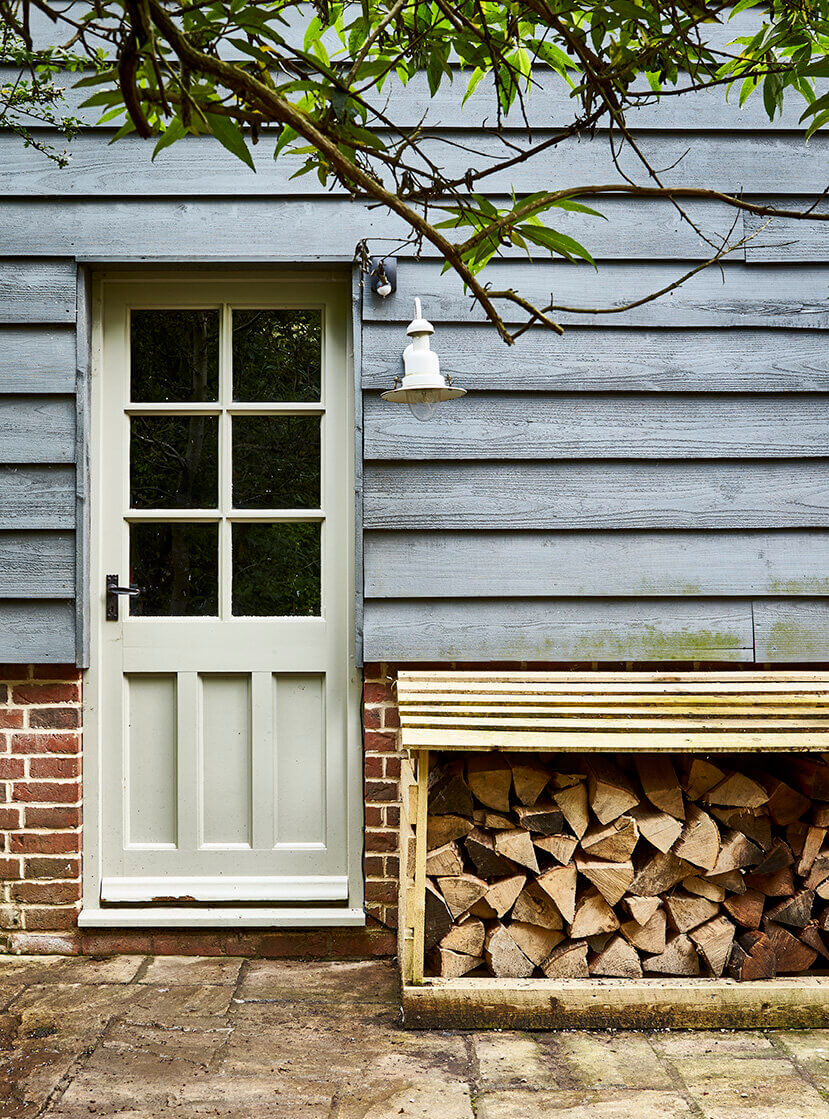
column 140, row 1037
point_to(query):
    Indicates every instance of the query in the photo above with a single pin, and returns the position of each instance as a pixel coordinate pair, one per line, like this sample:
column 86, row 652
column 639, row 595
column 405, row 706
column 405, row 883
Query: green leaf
column 229, row 135
column 175, row 130
column 557, row 242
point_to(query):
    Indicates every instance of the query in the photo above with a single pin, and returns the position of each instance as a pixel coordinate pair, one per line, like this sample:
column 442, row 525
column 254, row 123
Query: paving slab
column 511, row 1059
column 809, row 1049
column 345, row 980
column 191, row 971
column 760, row 1087
column 177, row 1005
column 604, row 1061
column 583, row 1105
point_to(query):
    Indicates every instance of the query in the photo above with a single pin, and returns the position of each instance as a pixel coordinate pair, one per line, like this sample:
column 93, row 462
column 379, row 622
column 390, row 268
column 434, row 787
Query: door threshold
column 235, row 917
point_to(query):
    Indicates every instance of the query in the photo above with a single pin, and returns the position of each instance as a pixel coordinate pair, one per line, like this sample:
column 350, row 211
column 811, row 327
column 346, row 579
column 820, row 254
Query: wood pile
column 644, row 865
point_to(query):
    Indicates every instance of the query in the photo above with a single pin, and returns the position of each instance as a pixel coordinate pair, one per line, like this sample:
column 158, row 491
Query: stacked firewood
column 573, row 866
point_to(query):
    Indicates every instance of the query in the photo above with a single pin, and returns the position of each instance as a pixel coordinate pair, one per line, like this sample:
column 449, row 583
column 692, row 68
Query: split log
column 573, row 804
column 791, row 955
column 736, row 852
column 561, row 847
column 737, row 791
column 679, row 958
column 612, row 880
column 660, row 873
column 438, row 919
column 648, row 937
column 811, row 936
column 641, row 909
column 543, row 817
column 796, row 837
column 450, row 796
column 566, row 780
column 593, row 916
column 598, row 942
column 490, row 779
column 618, row 959
column 453, row 965
column 503, row 956
column 714, row 940
column 559, row 883
column 819, row 872
column 659, row 782
column 441, row 830
column 686, row 912
column 746, row 909
column 819, row 815
column 444, row 860
column 699, row 842
column 503, row 895
column 731, row 880
column 496, row 821
column 483, row 910
column 705, row 888
column 778, row 856
column 795, row 911
column 460, row 891
column 752, row 957
column 751, row 822
column 480, row 847
column 698, row 777
column 534, row 907
column 529, row 778
column 568, row 961
column 785, row 804
column 466, row 937
column 614, row 842
column 518, row 846
column 609, row 791
column 780, row 884
column 815, row 837
column 810, row 777
column 660, row 829
column 534, row 941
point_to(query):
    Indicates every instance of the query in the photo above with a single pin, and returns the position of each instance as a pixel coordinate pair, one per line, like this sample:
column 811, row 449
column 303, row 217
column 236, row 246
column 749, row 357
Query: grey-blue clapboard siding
column 653, row 486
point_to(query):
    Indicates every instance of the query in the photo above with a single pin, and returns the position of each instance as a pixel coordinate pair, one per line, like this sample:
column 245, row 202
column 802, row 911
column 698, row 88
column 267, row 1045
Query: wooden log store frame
column 558, row 712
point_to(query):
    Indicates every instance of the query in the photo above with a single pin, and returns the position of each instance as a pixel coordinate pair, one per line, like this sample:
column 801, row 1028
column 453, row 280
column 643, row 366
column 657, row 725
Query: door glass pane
column 177, row 568
column 174, row 355
column 277, row 355
column 276, row 462
column 174, row 462
column 276, row 570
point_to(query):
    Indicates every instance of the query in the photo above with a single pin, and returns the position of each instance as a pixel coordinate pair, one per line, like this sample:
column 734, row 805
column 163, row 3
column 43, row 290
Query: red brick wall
column 40, row 800
column 40, row 833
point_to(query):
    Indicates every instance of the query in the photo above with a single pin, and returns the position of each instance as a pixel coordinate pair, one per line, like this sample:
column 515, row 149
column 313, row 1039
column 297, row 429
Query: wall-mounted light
column 423, row 386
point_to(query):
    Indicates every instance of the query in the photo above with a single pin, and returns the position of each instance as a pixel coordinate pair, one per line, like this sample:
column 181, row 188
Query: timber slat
column 614, row 711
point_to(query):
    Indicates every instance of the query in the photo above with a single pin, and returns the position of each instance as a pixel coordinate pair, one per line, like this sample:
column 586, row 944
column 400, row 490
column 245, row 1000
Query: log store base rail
column 557, row 712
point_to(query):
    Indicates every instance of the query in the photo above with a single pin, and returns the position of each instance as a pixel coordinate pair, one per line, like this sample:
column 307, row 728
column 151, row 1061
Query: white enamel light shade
column 423, row 386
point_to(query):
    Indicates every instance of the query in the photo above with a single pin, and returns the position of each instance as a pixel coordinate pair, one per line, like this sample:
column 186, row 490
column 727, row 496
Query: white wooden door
column 224, row 421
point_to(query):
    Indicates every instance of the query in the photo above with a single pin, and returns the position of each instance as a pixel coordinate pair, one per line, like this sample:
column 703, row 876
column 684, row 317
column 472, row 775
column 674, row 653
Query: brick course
column 382, row 792
column 40, row 787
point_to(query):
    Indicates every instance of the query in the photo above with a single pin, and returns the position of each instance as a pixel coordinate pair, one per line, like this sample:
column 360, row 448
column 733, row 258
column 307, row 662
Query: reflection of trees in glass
column 276, row 570
column 176, row 566
column 276, row 355
column 276, row 462
column 174, row 462
column 174, row 356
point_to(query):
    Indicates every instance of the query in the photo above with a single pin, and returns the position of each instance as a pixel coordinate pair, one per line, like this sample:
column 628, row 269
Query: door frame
column 93, row 914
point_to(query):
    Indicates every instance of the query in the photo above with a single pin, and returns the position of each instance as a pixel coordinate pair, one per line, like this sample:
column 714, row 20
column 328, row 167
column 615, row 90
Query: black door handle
column 112, row 593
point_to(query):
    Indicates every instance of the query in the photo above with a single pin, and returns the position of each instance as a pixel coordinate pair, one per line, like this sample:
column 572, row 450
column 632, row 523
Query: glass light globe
column 423, row 405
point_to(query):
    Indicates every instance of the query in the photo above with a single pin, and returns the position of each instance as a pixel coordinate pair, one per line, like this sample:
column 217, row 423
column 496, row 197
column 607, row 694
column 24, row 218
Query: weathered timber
column 503, row 956
column 611, row 879
column 778, row 856
column 568, row 961
column 658, row 828
column 559, row 883
column 811, row 935
column 453, row 965
column 444, row 860
column 648, row 937
column 518, row 846
column 593, row 915
column 746, row 909
column 561, row 847
column 617, row 959
column 614, row 842
column 752, row 957
column 541, row 818
column 714, row 940
column 659, row 874
column 736, row 852
column 465, row 937
column 659, row 781
column 795, row 911
column 791, row 955
column 480, row 847
column 779, row 884
column 450, row 796
column 699, row 842
column 754, row 823
column 679, row 958
column 441, row 830
column 687, row 911
column 438, row 919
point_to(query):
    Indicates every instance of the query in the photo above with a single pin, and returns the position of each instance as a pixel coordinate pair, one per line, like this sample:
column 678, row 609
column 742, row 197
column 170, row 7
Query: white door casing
column 222, row 751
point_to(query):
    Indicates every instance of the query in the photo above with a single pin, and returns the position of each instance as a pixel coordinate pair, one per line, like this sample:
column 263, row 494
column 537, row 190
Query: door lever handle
column 112, row 593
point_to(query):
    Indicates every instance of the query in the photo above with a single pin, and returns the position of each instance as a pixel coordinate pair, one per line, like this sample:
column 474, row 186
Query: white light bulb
column 423, row 406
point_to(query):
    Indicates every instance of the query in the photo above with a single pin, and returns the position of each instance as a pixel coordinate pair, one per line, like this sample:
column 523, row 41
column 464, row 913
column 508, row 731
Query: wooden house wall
column 652, row 486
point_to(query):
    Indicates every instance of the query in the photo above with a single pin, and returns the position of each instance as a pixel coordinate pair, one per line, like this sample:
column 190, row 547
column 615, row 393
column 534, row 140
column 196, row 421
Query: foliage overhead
column 320, row 84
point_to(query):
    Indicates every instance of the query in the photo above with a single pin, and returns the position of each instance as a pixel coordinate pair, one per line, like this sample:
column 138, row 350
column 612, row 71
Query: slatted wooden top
column 703, row 712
